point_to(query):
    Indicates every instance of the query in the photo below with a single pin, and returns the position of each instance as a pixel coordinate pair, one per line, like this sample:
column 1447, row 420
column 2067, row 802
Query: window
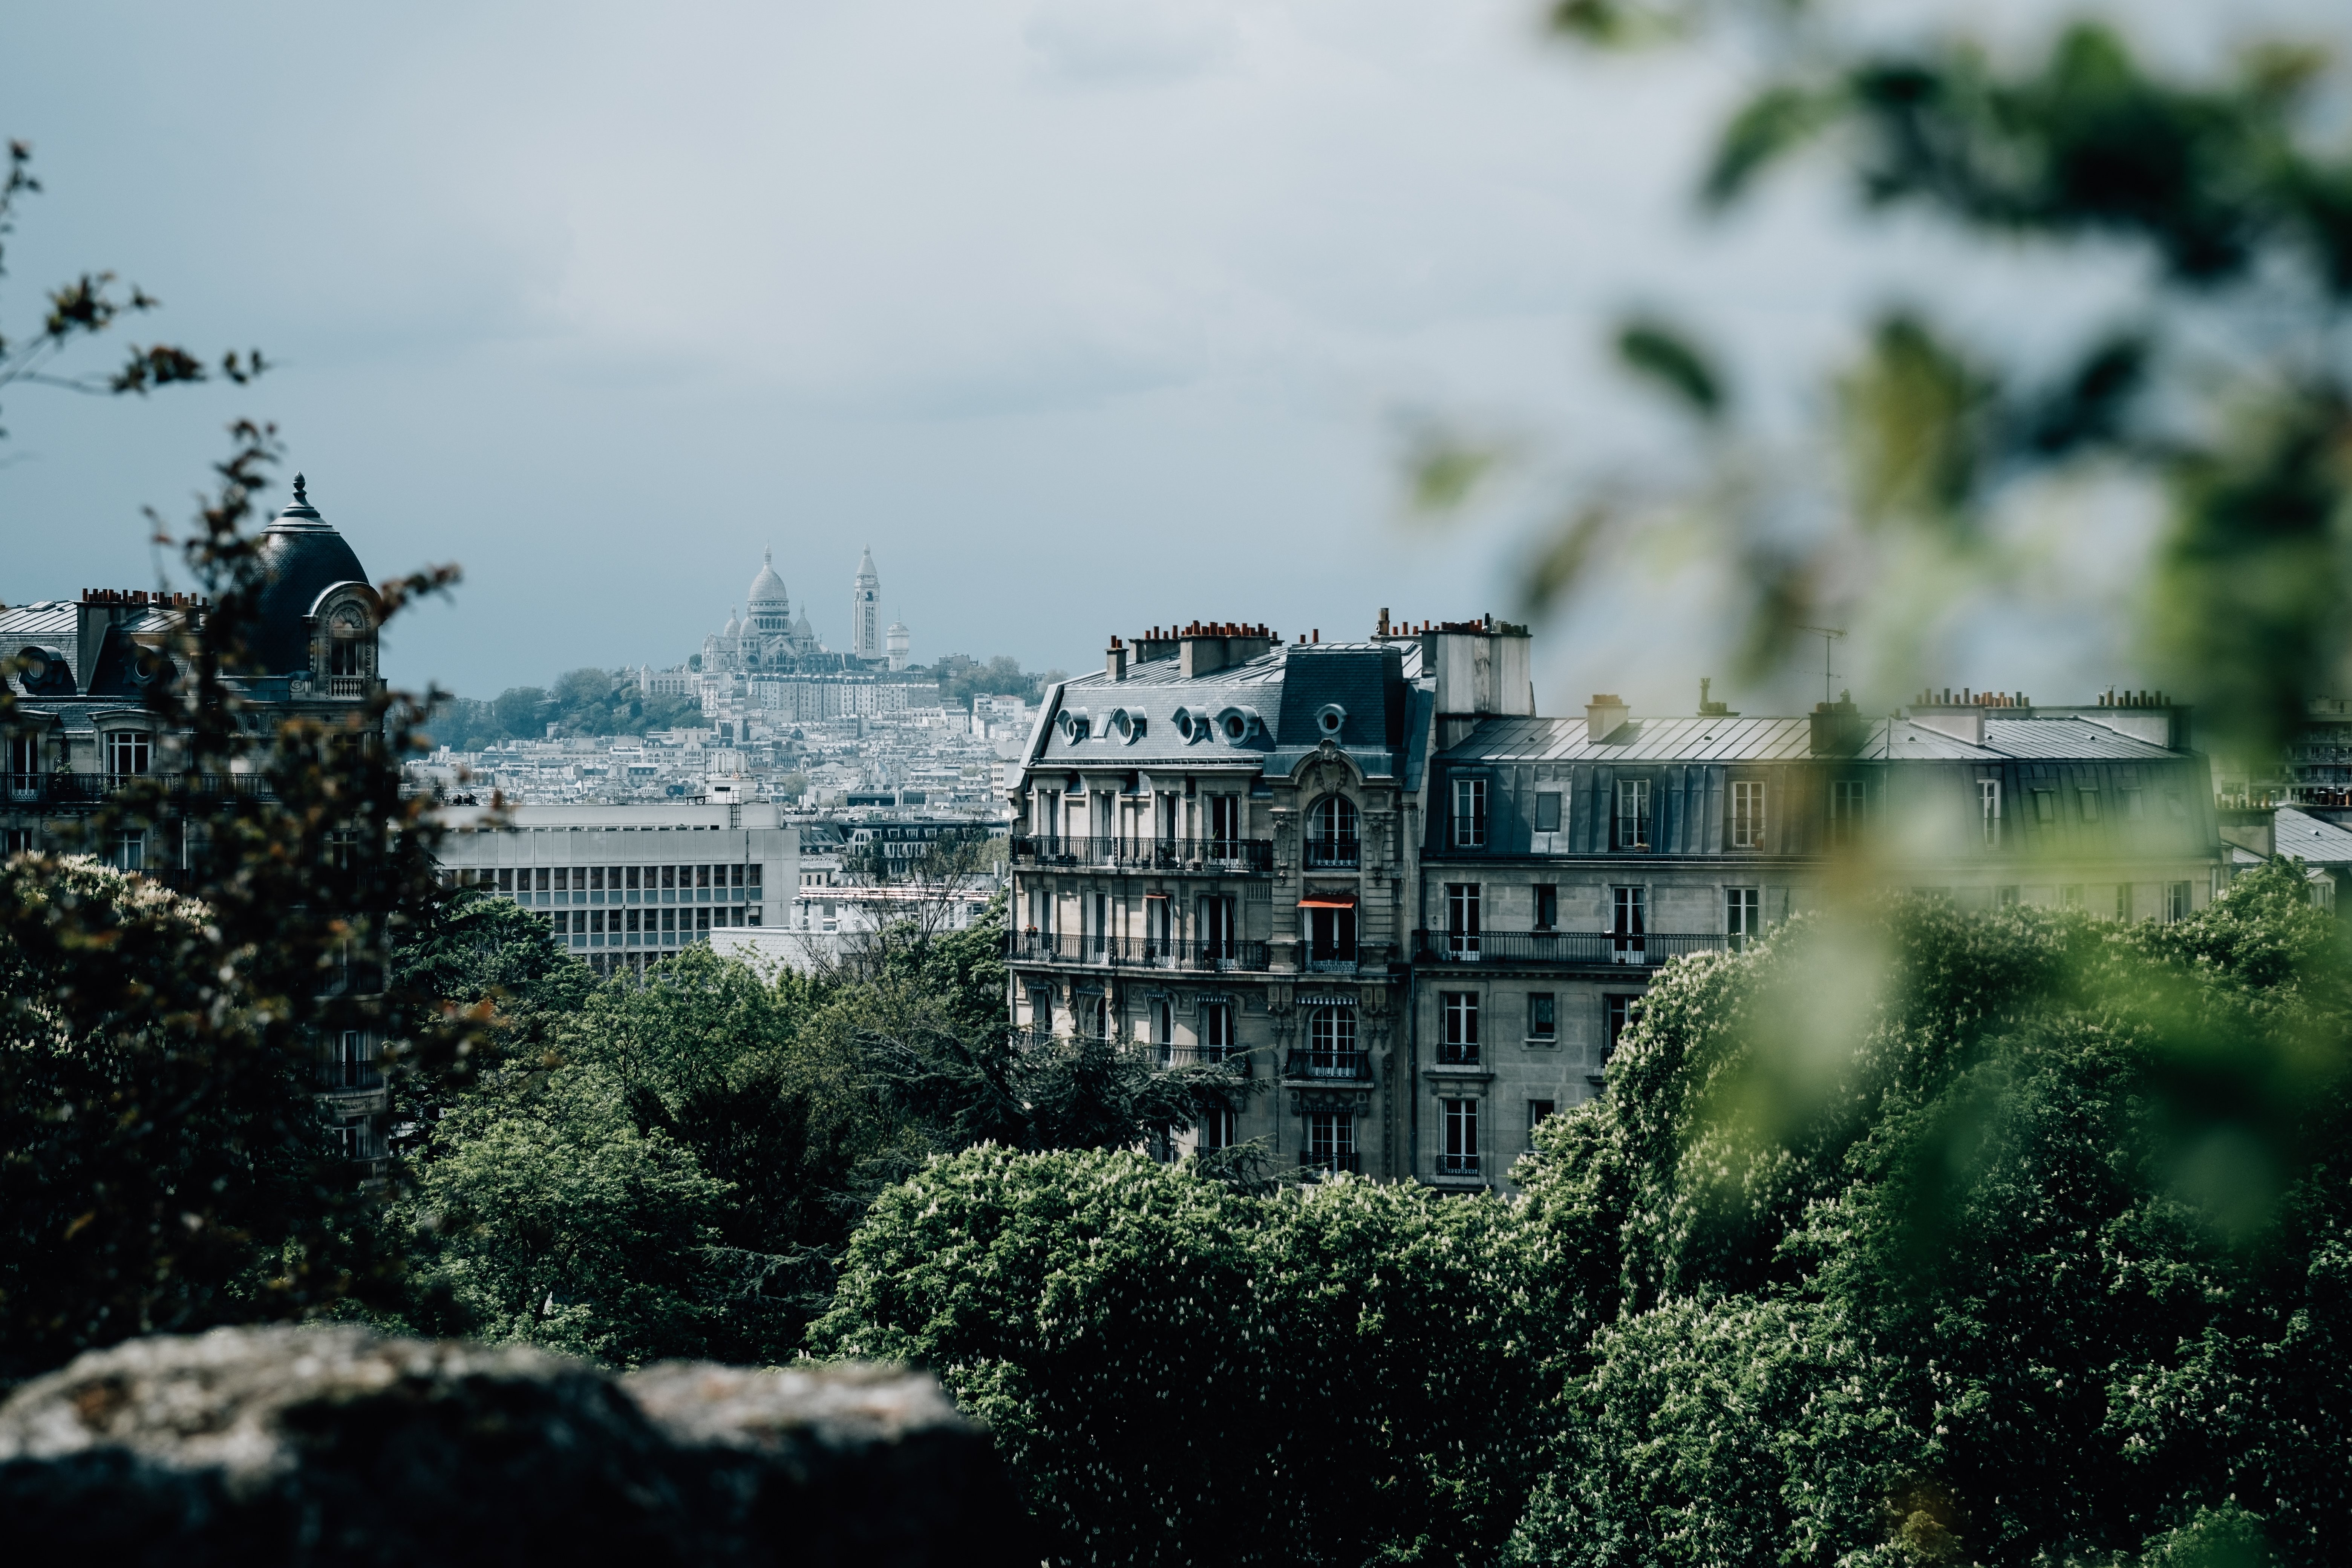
column 1331, row 934
column 2135, row 805
column 1628, row 921
column 1743, row 915
column 596, row 878
column 1747, row 813
column 1331, row 1043
column 2089, row 800
column 1543, row 1016
column 1040, row 1010
column 1458, row 1130
column 2071, row 897
column 1216, row 1031
column 1617, row 1015
column 1632, row 813
column 1538, row 1112
column 506, row 880
column 1216, row 1129
column 128, row 753
column 1547, row 811
column 1469, row 813
column 131, row 850
column 1989, row 811
column 1332, row 832
column 1226, row 820
column 2176, row 805
column 2045, row 805
column 540, row 874
column 1458, row 1015
column 1330, row 1140
column 16, row 841
column 2176, row 901
column 1849, row 799
column 1462, row 920
column 1218, row 943
column 24, row 759
column 2004, row 898
column 1163, row 1024
column 2123, row 900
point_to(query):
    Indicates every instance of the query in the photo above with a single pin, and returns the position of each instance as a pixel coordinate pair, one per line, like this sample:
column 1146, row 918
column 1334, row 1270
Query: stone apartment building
column 1370, row 873
column 81, row 728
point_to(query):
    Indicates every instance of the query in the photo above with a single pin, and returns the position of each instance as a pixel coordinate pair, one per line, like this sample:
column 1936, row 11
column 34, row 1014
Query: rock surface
column 337, row 1446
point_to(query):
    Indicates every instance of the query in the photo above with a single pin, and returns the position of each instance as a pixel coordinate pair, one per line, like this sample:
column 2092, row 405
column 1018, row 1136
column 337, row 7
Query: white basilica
column 767, row 640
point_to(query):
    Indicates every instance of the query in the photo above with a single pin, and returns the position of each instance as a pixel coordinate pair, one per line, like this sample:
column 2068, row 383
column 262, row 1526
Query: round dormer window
column 1329, row 718
column 1076, row 726
column 1236, row 727
column 1189, row 725
column 1237, row 724
column 1126, row 726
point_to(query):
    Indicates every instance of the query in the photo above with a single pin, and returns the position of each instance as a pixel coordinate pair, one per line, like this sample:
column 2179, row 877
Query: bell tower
column 865, row 610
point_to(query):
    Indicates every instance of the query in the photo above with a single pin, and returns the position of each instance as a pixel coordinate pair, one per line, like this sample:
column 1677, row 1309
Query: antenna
column 1829, row 636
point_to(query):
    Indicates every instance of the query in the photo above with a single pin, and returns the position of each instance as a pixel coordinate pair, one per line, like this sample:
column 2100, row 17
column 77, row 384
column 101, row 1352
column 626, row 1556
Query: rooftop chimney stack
column 1604, row 716
column 1115, row 661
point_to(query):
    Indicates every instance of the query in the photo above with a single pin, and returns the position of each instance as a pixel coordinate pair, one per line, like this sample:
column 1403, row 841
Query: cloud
column 1096, row 43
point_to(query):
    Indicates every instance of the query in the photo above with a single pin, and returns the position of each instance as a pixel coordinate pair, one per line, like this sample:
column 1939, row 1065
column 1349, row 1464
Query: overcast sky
column 1083, row 314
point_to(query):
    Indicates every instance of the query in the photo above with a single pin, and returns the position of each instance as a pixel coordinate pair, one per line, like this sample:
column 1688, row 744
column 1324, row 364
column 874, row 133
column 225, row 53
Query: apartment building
column 1370, row 873
column 1568, row 859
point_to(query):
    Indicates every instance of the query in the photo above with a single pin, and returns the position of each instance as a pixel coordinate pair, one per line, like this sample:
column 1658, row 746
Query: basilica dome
column 767, row 588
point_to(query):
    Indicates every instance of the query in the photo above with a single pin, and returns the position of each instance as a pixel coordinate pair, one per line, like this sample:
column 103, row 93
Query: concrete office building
column 627, row 886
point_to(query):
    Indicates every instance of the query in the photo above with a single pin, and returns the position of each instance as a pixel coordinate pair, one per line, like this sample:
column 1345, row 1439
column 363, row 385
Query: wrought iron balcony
column 1352, row 1067
column 1334, row 854
column 65, row 789
column 1233, row 1058
column 1229, row 856
column 1457, row 1053
column 1334, row 1162
column 1458, row 1164
column 1642, row 949
column 1135, row 953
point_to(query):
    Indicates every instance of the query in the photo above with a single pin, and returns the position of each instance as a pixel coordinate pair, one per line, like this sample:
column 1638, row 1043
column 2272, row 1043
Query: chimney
column 1206, row 648
column 1603, row 717
column 1115, row 661
column 1708, row 709
column 1383, row 631
column 1483, row 669
column 1839, row 728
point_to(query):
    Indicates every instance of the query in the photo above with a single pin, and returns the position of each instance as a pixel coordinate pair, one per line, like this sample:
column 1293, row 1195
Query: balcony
column 1212, row 857
column 1331, row 1162
column 1457, row 1053
column 349, row 685
column 67, row 789
column 1233, row 1058
column 1458, row 1164
column 1334, row 854
column 348, row 1075
column 1135, row 953
column 1634, row 949
column 1348, row 1067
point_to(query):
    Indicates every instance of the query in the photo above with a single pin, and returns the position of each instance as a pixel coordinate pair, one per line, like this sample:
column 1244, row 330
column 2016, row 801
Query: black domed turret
column 301, row 556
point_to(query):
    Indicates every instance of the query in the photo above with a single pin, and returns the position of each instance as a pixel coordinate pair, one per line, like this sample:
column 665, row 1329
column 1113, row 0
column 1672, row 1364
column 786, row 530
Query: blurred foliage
column 1178, row 1373
column 84, row 308
column 1988, row 1295
column 2223, row 391
column 164, row 1165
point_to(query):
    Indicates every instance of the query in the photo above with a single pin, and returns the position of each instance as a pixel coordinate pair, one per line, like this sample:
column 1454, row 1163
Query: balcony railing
column 70, row 788
column 350, row 1075
column 1233, row 1058
column 1350, row 1162
column 1334, row 854
column 1457, row 1053
column 1458, row 1164
column 1354, row 1066
column 1242, row 856
column 1136, row 953
column 1566, row 947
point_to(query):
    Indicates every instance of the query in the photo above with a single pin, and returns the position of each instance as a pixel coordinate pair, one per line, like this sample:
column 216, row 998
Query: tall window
column 1617, row 1015
column 1040, row 1010
column 1216, row 1031
column 2071, row 897
column 1226, row 820
column 2176, row 901
column 1216, row 1129
column 1096, row 1012
column 1743, row 915
column 1469, row 813
column 1458, row 1039
column 23, row 760
column 1331, row 1042
column 1462, row 920
column 1218, row 943
column 1163, row 1026
column 1547, row 905
column 1628, row 922
column 2123, row 900
column 131, row 850
column 1332, row 832
column 1458, row 1130
column 1847, row 803
column 2045, row 805
column 1989, row 811
column 1330, row 1140
column 1543, row 1017
column 1632, row 813
column 1747, row 813
column 128, row 753
column 1539, row 1111
column 2089, row 800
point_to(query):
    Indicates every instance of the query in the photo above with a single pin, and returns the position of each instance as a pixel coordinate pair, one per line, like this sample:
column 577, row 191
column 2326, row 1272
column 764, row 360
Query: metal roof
column 1733, row 738
column 2309, row 839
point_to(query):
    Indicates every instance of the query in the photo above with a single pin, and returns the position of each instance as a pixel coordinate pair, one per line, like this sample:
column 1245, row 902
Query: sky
column 1085, row 315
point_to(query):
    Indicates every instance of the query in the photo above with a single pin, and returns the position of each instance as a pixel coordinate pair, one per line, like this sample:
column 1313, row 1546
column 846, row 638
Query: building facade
column 627, row 886
column 82, row 729
column 1370, row 873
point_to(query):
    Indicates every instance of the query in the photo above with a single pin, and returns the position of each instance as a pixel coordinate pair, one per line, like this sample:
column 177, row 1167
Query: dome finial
column 300, row 498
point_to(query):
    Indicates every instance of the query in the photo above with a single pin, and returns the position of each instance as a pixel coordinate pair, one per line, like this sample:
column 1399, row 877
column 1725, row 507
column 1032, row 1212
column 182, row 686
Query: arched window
column 1331, row 1043
column 1332, row 832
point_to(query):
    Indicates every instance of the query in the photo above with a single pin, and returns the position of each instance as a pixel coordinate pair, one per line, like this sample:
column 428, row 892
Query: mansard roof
column 1732, row 738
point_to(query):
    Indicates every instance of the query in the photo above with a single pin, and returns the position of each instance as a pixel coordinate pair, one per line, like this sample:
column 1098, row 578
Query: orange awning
column 1329, row 901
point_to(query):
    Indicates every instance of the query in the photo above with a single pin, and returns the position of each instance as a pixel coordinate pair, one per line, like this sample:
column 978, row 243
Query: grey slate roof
column 2310, row 839
column 1735, row 739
